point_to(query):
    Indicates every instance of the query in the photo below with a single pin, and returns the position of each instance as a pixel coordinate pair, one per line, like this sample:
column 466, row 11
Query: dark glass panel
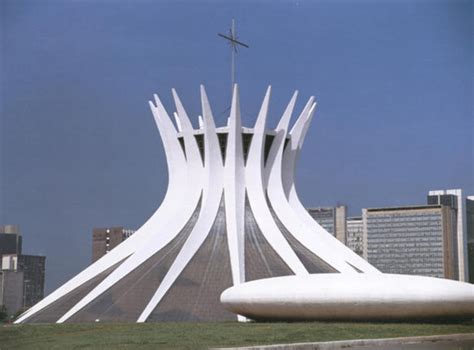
column 261, row 260
column 195, row 295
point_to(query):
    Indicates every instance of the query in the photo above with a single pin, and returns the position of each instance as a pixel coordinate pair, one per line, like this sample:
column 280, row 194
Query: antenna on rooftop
column 234, row 43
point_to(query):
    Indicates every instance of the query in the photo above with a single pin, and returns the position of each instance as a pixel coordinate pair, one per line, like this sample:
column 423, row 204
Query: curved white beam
column 164, row 230
column 192, row 177
column 193, row 155
column 313, row 236
column 282, row 208
column 134, row 242
column 254, row 175
column 212, row 194
column 234, row 191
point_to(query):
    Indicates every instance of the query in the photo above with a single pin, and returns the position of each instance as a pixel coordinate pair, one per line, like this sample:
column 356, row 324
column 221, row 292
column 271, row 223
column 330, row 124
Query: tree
column 3, row 313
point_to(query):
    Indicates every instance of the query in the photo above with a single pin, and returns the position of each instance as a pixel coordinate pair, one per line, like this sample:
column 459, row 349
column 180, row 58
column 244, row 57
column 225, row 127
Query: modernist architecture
column 342, row 297
column 415, row 240
column 106, row 239
column 230, row 215
column 454, row 199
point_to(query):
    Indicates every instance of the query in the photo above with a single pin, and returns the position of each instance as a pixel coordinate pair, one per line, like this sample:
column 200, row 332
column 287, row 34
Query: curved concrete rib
column 313, row 235
column 205, row 182
column 254, row 175
column 212, row 194
column 282, row 208
column 167, row 227
column 234, row 191
column 134, row 242
column 193, row 156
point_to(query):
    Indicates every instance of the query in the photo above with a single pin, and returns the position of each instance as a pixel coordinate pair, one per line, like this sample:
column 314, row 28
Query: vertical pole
column 232, row 48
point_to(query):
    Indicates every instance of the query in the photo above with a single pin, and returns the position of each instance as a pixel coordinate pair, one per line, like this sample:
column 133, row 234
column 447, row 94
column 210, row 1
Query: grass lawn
column 204, row 335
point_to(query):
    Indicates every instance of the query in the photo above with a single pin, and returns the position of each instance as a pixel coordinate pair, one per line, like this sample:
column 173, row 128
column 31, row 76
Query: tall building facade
column 355, row 235
column 11, row 291
column 22, row 276
column 332, row 219
column 106, row 239
column 454, row 199
column 415, row 240
column 32, row 267
column 470, row 235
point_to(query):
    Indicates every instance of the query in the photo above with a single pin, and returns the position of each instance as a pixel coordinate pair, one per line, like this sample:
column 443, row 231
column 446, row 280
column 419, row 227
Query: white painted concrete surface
column 338, row 296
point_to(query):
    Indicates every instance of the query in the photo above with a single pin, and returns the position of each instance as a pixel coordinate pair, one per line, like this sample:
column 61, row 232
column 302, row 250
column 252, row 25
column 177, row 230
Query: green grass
column 204, row 335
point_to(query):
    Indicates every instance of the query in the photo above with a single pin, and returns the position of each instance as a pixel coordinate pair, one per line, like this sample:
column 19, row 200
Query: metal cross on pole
column 234, row 43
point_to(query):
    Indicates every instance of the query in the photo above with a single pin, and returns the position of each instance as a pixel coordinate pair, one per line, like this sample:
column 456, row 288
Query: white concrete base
column 339, row 296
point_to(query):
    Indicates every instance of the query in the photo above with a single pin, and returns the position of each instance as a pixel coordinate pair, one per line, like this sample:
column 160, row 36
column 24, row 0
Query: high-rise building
column 454, row 199
column 11, row 291
column 355, row 235
column 33, row 269
column 22, row 276
column 415, row 240
column 470, row 235
column 332, row 219
column 106, row 239
column 10, row 240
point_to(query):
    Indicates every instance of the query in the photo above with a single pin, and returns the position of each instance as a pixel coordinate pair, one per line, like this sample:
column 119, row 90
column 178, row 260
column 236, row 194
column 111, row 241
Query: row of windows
column 432, row 225
column 414, row 258
column 405, row 223
column 404, row 219
column 403, row 216
column 375, row 241
column 414, row 231
column 403, row 245
column 416, row 265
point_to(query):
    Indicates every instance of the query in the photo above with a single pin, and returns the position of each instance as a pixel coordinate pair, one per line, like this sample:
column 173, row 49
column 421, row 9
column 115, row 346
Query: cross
column 234, row 43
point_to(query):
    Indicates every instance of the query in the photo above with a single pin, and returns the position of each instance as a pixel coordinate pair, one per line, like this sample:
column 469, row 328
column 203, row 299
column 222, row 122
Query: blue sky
column 79, row 148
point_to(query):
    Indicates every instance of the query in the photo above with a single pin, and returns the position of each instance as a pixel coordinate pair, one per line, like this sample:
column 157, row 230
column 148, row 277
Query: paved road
column 437, row 342
column 451, row 345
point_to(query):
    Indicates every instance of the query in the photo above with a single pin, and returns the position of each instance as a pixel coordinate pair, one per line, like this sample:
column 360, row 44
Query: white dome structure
column 230, row 215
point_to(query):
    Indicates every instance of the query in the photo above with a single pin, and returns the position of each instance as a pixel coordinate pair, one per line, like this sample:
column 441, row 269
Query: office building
column 454, row 199
column 415, row 240
column 332, row 219
column 470, row 235
column 33, row 269
column 11, row 291
column 10, row 240
column 355, row 235
column 106, row 239
column 22, row 275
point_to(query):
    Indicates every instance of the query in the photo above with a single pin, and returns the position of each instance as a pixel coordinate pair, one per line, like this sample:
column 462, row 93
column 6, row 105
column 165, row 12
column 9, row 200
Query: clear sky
column 79, row 148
